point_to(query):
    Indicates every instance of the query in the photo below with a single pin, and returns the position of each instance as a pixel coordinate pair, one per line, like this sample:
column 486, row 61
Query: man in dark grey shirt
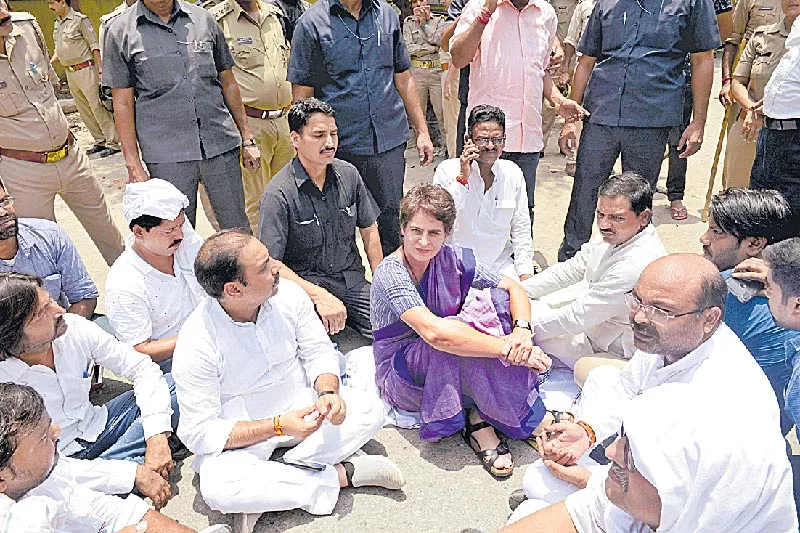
column 631, row 71
column 169, row 69
column 308, row 218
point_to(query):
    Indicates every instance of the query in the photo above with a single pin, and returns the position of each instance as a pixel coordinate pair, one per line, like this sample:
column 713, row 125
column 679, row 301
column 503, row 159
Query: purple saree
column 414, row 376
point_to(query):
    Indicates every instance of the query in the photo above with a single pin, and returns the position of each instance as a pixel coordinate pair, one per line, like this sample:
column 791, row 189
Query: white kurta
column 578, row 306
column 143, row 303
column 62, row 505
column 66, row 391
column 721, row 367
column 495, row 224
column 227, row 371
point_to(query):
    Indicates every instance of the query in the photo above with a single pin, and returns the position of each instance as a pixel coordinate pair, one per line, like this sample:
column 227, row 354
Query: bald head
column 689, row 294
column 217, row 261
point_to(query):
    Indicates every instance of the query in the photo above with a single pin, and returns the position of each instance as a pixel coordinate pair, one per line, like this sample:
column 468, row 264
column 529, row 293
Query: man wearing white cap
column 151, row 288
column 674, row 471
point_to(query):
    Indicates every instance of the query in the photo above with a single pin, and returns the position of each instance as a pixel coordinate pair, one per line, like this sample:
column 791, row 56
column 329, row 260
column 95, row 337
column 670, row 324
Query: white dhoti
column 247, row 480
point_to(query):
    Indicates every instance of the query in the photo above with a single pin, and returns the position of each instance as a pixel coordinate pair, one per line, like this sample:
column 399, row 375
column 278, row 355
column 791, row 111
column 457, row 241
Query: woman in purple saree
column 469, row 368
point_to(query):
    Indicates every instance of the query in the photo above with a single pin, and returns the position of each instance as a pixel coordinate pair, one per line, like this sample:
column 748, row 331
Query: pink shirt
column 508, row 68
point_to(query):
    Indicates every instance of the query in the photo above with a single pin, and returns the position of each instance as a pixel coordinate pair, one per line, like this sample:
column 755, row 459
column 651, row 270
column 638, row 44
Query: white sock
column 376, row 471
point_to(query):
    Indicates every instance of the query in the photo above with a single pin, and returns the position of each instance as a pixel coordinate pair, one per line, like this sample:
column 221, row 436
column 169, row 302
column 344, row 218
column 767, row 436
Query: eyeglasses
column 484, row 141
column 6, row 202
column 654, row 314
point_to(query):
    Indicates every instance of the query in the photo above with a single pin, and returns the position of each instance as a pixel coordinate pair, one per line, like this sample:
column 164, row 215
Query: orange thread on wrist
column 276, row 425
column 589, row 431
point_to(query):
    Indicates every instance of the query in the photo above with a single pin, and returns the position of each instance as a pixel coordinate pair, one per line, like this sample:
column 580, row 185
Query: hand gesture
column 469, row 154
column 725, row 94
column 572, row 111
column 301, row 423
column 751, row 126
column 332, row 407
column 422, row 14
column 251, row 157
column 153, row 486
column 568, row 139
column 753, row 269
column 567, row 444
column 425, row 148
column 137, row 174
column 692, row 139
column 331, row 310
column 158, row 456
column 574, row 475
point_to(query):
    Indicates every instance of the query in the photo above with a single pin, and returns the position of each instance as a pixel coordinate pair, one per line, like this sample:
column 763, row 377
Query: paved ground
column 447, row 490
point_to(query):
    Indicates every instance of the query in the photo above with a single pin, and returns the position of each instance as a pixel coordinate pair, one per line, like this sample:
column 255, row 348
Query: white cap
column 154, row 197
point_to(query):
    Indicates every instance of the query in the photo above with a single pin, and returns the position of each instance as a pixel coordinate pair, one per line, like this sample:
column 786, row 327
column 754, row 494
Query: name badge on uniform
column 766, row 8
column 244, row 40
column 763, row 54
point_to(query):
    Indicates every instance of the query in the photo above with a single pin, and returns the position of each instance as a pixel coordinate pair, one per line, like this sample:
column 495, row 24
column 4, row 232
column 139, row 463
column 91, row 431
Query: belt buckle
column 56, row 156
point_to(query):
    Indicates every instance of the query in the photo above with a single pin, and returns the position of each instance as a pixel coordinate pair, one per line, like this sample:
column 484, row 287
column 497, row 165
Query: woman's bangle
column 277, row 427
column 589, row 431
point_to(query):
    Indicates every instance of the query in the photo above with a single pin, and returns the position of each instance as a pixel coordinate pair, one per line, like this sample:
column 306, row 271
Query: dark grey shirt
column 640, row 46
column 314, row 232
column 174, row 69
column 351, row 65
column 292, row 11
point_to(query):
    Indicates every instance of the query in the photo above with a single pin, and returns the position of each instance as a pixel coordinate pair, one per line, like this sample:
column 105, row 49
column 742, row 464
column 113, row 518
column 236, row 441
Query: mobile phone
column 744, row 289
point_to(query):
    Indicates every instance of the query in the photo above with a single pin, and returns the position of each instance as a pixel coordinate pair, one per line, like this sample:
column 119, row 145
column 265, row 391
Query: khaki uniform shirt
column 423, row 43
column 74, row 38
column 260, row 53
column 578, row 22
column 105, row 20
column 749, row 15
column 760, row 57
column 564, row 10
column 30, row 117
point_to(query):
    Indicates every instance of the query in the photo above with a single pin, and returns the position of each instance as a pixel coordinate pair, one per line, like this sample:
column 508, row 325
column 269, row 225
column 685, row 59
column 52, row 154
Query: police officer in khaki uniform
column 747, row 16
column 38, row 154
column 564, row 10
column 77, row 49
column 260, row 51
column 422, row 33
column 759, row 58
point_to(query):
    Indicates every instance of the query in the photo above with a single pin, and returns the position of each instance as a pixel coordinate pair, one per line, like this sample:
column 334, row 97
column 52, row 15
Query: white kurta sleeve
column 521, row 238
column 129, row 313
column 196, row 370
column 314, row 347
column 109, row 476
column 602, row 300
column 34, row 514
column 560, row 275
column 149, row 385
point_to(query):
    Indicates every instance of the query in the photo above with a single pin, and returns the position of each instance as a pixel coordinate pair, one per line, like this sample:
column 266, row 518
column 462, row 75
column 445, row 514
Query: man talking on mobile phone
column 741, row 223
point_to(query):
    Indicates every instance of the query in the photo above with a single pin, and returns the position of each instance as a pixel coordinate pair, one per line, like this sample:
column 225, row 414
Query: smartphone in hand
column 744, row 289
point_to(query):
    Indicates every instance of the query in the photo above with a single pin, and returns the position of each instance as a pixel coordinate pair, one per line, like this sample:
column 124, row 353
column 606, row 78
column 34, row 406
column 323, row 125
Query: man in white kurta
column 151, row 288
column 680, row 338
column 578, row 306
column 493, row 218
column 255, row 371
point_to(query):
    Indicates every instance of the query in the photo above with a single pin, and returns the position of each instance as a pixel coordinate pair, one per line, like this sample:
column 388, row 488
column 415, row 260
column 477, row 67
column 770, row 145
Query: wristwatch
column 523, row 324
column 249, row 142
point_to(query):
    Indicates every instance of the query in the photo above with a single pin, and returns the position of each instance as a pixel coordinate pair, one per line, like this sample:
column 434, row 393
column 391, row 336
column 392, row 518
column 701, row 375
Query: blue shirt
column 45, row 250
column 754, row 325
column 640, row 46
column 351, row 65
column 792, row 407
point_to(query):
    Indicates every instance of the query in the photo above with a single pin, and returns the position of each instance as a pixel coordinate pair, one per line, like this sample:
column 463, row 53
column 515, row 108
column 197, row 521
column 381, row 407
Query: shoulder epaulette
column 217, row 8
column 19, row 16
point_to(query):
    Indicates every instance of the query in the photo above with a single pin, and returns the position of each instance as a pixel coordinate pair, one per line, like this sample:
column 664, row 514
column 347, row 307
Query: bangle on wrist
column 320, row 394
column 589, row 432
column 484, row 16
column 277, row 427
column 726, row 79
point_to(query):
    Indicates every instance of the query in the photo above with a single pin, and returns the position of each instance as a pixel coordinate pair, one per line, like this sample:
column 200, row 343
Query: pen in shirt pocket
column 88, row 369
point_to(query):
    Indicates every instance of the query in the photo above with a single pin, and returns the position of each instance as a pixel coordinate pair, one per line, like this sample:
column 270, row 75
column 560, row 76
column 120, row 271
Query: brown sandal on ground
column 488, row 457
column 679, row 212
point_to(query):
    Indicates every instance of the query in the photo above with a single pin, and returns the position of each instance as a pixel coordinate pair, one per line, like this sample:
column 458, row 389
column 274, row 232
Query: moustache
column 175, row 243
column 644, row 330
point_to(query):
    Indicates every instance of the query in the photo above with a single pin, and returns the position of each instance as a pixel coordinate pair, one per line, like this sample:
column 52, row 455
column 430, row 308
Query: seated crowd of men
column 227, row 341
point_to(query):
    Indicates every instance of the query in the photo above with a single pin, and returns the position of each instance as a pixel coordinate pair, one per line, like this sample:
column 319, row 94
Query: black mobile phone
column 744, row 289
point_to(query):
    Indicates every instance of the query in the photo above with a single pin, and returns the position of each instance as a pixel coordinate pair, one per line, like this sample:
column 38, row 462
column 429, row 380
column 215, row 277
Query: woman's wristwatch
column 523, row 324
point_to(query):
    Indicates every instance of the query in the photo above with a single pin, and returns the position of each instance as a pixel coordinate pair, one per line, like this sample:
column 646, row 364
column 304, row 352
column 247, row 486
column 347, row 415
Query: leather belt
column 41, row 157
column 782, row 124
column 265, row 114
column 80, row 66
column 424, row 63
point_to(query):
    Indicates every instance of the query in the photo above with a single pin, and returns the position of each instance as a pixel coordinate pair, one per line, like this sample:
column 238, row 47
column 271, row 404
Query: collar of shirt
column 475, row 179
column 143, row 12
column 301, row 175
column 238, row 11
column 24, row 240
column 530, row 3
column 792, row 349
column 366, row 5
column 221, row 315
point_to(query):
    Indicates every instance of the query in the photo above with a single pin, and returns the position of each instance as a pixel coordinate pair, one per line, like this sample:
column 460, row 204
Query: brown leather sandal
column 487, row 457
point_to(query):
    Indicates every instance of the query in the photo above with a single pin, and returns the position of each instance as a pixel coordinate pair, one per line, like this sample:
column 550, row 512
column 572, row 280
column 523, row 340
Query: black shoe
column 95, row 149
column 516, row 499
column 109, row 151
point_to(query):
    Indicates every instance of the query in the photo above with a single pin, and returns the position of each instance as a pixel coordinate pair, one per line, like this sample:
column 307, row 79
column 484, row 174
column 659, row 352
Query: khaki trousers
column 85, row 88
column 739, row 157
column 272, row 139
column 429, row 84
column 35, row 185
column 549, row 115
column 450, row 109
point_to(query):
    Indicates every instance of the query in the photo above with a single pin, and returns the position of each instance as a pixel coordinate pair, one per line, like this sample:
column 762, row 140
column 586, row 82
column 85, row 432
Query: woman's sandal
column 487, row 457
